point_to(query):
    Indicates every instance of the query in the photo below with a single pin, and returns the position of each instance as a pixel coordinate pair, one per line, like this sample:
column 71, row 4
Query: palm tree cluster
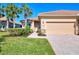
column 12, row 11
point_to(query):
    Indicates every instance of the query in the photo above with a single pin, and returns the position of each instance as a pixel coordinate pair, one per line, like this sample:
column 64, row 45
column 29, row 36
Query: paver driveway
column 64, row 44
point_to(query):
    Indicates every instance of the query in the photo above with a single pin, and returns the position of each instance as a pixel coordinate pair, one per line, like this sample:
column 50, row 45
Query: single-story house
column 3, row 23
column 58, row 22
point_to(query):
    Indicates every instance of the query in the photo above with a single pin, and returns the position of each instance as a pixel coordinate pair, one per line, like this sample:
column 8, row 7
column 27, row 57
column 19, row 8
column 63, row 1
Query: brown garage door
column 59, row 28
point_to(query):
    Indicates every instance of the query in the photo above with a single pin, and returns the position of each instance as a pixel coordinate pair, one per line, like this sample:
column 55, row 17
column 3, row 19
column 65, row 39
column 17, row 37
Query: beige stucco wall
column 34, row 26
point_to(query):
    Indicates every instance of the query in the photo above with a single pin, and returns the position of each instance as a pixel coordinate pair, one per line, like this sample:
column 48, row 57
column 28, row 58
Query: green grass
column 24, row 46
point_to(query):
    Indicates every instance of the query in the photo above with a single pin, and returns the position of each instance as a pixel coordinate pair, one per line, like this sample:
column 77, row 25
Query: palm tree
column 2, row 11
column 8, row 16
column 13, row 12
column 26, row 12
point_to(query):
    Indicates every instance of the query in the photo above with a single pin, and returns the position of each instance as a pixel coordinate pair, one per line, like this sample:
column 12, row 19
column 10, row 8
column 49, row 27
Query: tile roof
column 33, row 19
column 3, row 18
column 60, row 12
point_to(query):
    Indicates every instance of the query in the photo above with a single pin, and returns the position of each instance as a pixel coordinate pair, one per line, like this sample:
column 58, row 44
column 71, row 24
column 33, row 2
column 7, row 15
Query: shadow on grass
column 15, row 35
column 2, row 39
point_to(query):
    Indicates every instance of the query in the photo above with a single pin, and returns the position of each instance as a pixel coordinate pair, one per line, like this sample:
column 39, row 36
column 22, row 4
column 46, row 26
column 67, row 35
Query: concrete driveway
column 64, row 44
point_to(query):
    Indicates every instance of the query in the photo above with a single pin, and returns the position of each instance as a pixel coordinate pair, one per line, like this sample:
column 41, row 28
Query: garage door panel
column 60, row 28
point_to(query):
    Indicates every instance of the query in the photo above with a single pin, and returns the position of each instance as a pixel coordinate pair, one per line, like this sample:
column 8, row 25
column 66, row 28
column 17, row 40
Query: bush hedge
column 19, row 31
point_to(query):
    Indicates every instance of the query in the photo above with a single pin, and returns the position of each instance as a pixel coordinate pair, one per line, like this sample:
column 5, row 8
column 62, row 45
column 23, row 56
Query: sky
column 47, row 7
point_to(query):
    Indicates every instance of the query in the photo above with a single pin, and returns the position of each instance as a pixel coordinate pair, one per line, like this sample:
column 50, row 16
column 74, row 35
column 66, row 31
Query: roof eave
column 58, row 15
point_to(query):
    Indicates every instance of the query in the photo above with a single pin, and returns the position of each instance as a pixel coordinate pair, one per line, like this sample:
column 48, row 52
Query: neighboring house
column 59, row 22
column 23, row 23
column 3, row 23
column 34, row 23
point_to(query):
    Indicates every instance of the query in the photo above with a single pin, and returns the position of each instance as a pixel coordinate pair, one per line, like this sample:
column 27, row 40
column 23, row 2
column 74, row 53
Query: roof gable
column 59, row 12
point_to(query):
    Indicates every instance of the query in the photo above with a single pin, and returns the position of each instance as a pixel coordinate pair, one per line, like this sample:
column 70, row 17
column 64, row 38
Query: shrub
column 19, row 32
column 28, row 29
column 41, row 32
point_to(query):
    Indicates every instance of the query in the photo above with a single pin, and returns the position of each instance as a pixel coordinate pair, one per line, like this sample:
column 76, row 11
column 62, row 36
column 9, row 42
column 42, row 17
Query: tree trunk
column 7, row 24
column 25, row 22
column 13, row 23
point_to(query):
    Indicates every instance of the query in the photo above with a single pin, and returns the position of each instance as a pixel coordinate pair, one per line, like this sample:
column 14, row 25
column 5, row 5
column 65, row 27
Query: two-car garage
column 59, row 28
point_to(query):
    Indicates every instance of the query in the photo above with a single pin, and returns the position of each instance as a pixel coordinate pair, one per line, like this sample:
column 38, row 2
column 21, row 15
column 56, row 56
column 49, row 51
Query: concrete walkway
column 64, row 44
column 35, row 35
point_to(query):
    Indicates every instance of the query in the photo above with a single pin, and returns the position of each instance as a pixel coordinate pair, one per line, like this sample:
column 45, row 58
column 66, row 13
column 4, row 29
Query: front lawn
column 24, row 46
